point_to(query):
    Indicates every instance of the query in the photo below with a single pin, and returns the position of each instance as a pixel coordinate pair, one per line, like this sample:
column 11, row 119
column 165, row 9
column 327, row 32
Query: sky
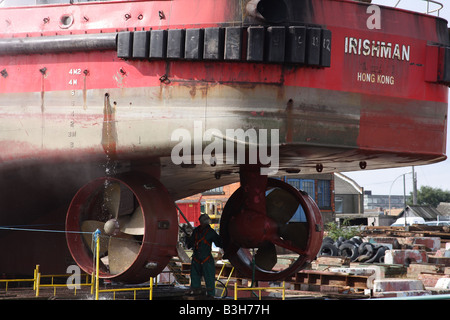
column 390, row 181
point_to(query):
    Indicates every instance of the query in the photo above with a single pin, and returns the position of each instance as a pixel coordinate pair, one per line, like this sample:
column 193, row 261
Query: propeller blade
column 133, row 224
column 105, row 260
column 90, row 226
column 123, row 251
column 281, row 205
column 266, row 256
column 112, row 198
column 296, row 232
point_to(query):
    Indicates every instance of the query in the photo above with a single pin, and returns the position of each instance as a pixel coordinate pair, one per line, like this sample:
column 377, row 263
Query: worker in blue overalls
column 202, row 260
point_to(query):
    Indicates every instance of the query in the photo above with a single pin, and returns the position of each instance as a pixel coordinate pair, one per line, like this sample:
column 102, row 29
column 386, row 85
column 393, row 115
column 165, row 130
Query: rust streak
column 43, row 71
column 86, row 72
column 290, row 121
column 109, row 131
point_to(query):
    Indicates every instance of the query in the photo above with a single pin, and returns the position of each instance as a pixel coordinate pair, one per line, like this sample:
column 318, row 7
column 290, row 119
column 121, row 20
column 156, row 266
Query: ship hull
column 312, row 124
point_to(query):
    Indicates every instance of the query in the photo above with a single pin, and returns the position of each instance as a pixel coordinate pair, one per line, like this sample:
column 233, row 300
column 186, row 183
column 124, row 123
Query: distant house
column 351, row 201
column 444, row 209
column 428, row 213
column 348, row 195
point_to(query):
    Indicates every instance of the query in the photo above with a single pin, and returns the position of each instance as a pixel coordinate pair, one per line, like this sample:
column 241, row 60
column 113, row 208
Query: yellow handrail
column 229, row 276
column 7, row 281
column 54, row 286
column 36, row 280
column 97, row 263
column 38, row 276
column 150, row 288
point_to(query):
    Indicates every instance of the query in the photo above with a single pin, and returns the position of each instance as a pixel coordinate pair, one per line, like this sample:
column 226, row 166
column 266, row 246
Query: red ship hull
column 379, row 102
column 369, row 104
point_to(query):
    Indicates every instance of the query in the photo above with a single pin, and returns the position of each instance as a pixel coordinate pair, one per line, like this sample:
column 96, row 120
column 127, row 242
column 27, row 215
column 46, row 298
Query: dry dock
column 416, row 264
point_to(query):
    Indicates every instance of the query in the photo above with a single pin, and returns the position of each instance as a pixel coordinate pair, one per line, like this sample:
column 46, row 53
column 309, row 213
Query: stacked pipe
column 355, row 248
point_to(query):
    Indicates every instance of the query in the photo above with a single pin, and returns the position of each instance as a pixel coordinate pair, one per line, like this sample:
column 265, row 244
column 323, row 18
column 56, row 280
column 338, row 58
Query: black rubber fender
column 357, row 240
column 328, row 249
column 378, row 256
column 349, row 250
column 328, row 240
column 366, row 248
column 351, row 242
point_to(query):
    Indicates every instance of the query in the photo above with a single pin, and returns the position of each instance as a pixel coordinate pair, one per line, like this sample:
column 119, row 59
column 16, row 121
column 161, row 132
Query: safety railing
column 88, row 282
column 430, row 9
column 134, row 290
column 91, row 281
column 37, row 285
column 259, row 289
column 228, row 278
column 33, row 280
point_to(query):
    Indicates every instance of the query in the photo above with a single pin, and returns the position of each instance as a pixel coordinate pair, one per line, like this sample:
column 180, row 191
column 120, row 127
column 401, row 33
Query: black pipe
column 58, row 44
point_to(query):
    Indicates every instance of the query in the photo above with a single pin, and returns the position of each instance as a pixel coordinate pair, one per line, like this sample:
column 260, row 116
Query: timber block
column 432, row 243
column 324, row 262
column 415, row 269
column 441, row 253
column 359, row 271
column 394, row 284
column 439, row 260
column 401, row 294
column 443, row 283
column 405, row 257
column 430, row 279
column 385, row 270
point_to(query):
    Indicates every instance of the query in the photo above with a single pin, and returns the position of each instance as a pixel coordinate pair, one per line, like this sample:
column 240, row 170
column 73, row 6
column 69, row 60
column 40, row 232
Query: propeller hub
column 111, row 227
column 250, row 229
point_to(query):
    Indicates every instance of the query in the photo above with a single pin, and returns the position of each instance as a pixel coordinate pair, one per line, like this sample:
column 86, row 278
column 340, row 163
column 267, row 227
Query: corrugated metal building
column 428, row 213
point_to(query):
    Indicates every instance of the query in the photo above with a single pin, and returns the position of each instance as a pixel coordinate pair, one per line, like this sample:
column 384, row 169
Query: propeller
column 133, row 224
column 277, row 222
column 266, row 256
column 120, row 247
column 281, row 207
column 123, row 250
